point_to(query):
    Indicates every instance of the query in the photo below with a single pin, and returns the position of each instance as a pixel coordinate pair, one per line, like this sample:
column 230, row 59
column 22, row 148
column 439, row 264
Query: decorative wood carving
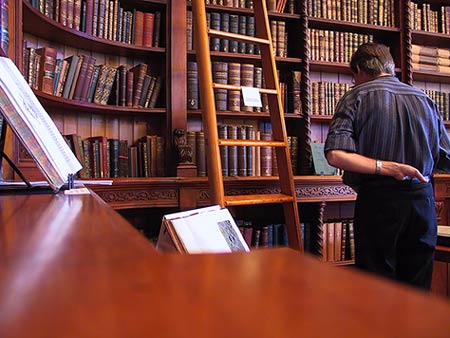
column 138, row 195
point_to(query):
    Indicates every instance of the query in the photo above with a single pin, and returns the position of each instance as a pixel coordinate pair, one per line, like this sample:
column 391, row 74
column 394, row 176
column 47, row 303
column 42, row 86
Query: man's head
column 372, row 59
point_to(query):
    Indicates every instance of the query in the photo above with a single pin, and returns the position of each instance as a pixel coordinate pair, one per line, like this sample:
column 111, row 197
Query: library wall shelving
column 304, row 71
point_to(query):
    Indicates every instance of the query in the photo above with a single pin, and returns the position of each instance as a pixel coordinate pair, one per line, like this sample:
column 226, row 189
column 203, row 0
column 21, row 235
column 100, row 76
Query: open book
column 210, row 229
column 34, row 127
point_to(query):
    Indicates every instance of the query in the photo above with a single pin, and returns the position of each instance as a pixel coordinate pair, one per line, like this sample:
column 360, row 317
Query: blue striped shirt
column 392, row 121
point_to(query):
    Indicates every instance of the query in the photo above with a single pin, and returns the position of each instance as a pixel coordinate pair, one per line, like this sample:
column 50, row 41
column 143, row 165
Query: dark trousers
column 396, row 230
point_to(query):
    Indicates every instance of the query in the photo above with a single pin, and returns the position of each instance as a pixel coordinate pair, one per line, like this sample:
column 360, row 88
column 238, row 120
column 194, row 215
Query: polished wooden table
column 72, row 267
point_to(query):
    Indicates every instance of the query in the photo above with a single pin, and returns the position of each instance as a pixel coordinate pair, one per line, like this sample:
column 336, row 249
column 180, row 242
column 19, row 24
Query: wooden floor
column 70, row 266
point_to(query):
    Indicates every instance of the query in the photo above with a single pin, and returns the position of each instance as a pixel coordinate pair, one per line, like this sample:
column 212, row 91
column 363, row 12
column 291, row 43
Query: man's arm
column 365, row 165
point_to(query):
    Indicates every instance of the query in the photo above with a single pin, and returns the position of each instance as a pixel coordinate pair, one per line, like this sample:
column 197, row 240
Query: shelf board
column 321, row 118
column 346, row 26
column 243, row 115
column 32, row 18
column 251, row 58
column 246, row 11
column 74, row 105
column 430, row 39
column 431, row 77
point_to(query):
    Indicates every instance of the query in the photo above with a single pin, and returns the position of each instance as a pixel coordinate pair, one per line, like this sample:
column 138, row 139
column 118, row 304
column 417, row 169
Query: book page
column 34, row 127
column 214, row 231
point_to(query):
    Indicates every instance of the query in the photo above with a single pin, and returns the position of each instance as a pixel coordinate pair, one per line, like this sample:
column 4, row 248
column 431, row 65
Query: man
column 388, row 137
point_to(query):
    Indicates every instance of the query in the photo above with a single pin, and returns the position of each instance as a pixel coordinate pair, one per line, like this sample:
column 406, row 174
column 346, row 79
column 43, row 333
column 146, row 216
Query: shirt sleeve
column 444, row 149
column 341, row 134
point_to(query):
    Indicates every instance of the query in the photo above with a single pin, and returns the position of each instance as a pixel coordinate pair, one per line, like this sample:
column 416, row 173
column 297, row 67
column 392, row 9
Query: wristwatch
column 378, row 166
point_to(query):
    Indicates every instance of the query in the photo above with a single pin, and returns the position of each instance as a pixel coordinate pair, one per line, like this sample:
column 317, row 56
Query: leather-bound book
column 223, row 134
column 250, row 31
column 94, row 82
column 138, row 27
column 266, row 156
column 192, row 85
column 257, row 82
column 110, row 78
column 47, row 67
column 242, row 29
column 242, row 151
column 189, row 36
column 247, row 80
column 148, row 30
column 145, row 88
column 234, row 78
column 224, row 27
column 114, row 146
column 250, row 135
column 73, row 64
column 157, row 29
column 84, row 78
column 156, row 92
column 233, row 28
column 191, row 141
column 232, row 152
column 201, row 153
column 160, row 156
column 220, row 75
column 215, row 24
column 76, row 14
column 130, row 89
column 123, row 159
column 139, row 72
column 76, row 77
column 293, row 150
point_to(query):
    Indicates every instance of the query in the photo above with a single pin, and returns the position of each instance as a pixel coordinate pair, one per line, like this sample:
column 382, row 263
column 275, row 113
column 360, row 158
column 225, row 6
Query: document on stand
column 34, row 127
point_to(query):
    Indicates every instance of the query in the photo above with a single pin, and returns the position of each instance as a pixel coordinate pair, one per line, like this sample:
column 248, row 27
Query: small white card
column 251, row 96
column 77, row 191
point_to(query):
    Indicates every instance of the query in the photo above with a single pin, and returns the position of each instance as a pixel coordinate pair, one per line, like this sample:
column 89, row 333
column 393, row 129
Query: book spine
column 247, row 80
column 192, row 85
column 201, row 153
column 242, row 152
column 266, row 156
column 234, row 78
column 220, row 75
column 232, row 152
column 149, row 20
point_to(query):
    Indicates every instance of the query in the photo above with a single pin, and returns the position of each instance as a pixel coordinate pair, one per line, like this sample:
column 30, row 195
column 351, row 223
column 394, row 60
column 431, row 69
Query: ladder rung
column 237, row 37
column 231, row 87
column 234, row 200
column 251, row 143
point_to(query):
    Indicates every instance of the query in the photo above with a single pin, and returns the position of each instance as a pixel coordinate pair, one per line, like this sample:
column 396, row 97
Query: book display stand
column 35, row 129
column 210, row 229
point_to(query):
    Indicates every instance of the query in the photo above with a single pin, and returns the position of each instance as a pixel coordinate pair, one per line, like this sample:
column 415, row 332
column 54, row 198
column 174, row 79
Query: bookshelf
column 171, row 59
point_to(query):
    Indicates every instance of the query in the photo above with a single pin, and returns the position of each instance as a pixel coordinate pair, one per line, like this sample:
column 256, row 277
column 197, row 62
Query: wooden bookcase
column 319, row 197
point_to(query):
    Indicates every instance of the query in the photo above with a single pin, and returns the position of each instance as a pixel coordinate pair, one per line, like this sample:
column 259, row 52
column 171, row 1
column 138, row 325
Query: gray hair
column 373, row 59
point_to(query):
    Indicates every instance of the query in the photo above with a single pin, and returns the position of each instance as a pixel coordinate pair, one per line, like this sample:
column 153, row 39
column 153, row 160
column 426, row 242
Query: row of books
column 428, row 19
column 106, row 19
column 247, row 75
column 248, row 160
column 331, row 46
column 335, row 240
column 279, row 6
column 241, row 161
column 103, row 157
column 325, row 95
column 77, row 77
column 442, row 100
column 432, row 59
column 4, row 30
column 263, row 236
column 372, row 12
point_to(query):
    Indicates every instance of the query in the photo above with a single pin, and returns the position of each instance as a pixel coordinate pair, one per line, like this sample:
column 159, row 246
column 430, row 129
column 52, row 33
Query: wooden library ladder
column 287, row 189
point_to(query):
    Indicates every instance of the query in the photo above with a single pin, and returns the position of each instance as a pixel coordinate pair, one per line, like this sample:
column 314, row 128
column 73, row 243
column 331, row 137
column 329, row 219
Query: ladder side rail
column 275, row 104
column 286, row 180
column 214, row 165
